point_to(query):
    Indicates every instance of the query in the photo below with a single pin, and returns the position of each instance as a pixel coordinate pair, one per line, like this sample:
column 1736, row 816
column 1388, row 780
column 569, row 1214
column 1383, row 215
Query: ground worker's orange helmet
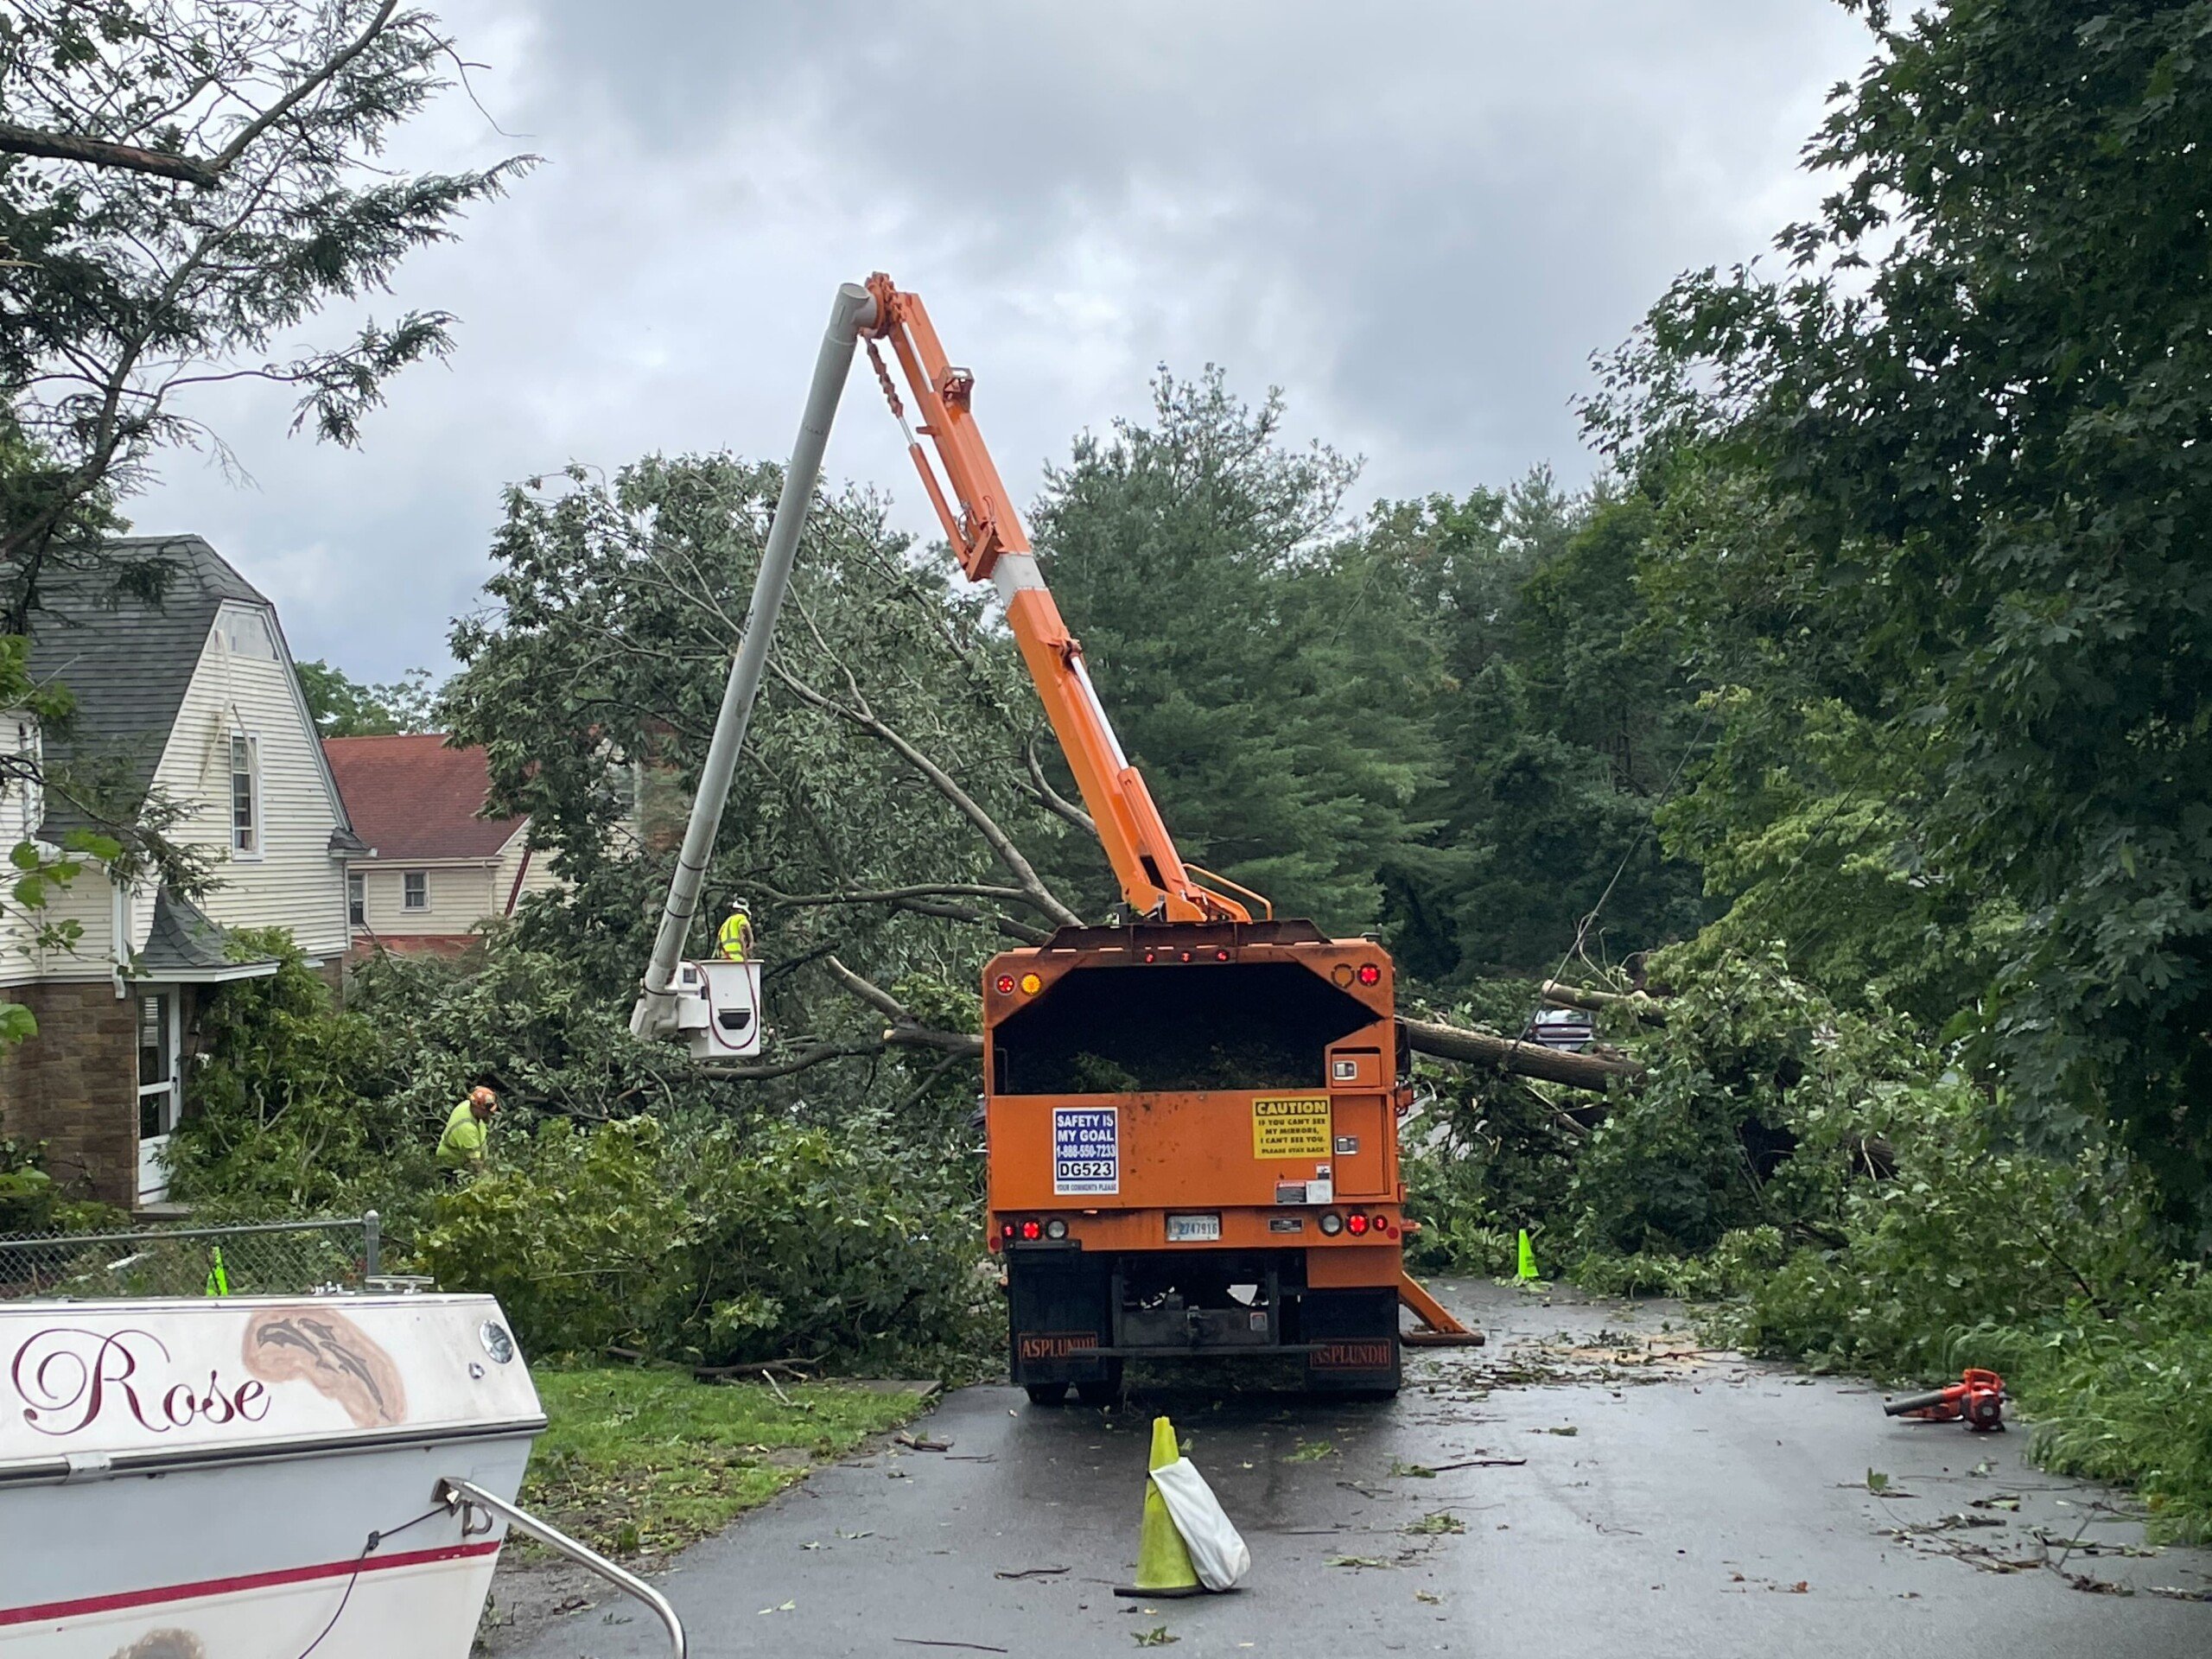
column 483, row 1097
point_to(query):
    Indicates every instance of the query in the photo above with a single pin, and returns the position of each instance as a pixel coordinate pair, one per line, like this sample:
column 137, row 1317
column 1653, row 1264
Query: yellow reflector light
column 1030, row 984
column 1342, row 973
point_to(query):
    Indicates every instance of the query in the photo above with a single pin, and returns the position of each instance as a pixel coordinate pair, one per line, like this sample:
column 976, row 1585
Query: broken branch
column 1521, row 1058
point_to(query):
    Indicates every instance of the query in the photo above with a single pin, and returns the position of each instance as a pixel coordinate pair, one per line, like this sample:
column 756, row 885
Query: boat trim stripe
column 89, row 1605
column 162, row 1460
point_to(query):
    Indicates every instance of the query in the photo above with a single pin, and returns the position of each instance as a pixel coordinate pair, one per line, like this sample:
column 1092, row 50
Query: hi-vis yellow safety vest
column 735, row 939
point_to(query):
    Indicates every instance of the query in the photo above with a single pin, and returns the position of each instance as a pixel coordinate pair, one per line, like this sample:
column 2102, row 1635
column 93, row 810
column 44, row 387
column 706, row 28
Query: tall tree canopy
column 181, row 186
column 1267, row 683
column 1960, row 451
column 879, row 822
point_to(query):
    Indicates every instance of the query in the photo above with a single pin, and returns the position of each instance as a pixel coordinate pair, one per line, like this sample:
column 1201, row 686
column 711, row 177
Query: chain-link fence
column 278, row 1258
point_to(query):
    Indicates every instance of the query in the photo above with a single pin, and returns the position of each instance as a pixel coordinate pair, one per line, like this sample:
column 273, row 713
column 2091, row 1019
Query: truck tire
column 1105, row 1391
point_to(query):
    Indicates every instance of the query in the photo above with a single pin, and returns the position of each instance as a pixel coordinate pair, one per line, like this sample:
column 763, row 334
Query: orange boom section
column 989, row 540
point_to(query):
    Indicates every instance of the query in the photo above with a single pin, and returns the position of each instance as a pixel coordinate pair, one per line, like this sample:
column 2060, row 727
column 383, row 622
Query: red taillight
column 1005, row 984
column 1221, row 954
column 1006, row 1230
column 1033, row 1229
column 1355, row 1223
column 1380, row 1223
column 1369, row 974
column 1151, row 955
column 1186, row 956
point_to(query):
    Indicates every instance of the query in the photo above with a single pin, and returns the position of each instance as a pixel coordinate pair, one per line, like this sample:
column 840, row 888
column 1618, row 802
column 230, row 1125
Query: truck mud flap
column 1352, row 1339
column 1057, row 1319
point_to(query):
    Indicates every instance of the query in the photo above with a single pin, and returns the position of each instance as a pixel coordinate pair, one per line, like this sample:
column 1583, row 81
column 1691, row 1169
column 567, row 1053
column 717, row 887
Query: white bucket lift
column 718, row 1008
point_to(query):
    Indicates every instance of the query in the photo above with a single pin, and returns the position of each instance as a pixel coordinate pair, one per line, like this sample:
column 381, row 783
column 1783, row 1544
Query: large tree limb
column 1034, row 892
column 868, row 991
column 897, row 895
column 100, row 152
column 1020, row 932
column 190, row 169
column 1521, row 1058
column 929, row 898
column 797, row 1059
column 905, row 1030
column 1595, row 1002
column 1051, row 799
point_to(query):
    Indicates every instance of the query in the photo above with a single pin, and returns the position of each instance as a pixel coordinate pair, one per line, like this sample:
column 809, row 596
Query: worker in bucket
column 468, row 1130
column 734, row 940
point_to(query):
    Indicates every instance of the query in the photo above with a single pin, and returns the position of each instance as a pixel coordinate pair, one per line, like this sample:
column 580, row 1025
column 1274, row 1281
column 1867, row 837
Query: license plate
column 1193, row 1230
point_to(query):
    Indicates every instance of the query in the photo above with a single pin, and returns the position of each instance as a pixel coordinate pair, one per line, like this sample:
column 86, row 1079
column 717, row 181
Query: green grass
column 637, row 1460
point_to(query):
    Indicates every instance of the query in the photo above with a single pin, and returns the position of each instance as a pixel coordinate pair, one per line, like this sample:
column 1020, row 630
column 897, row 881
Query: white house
column 194, row 699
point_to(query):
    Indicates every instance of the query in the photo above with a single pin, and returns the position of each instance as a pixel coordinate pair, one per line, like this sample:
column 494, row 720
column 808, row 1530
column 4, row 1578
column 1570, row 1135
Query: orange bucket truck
column 1192, row 1116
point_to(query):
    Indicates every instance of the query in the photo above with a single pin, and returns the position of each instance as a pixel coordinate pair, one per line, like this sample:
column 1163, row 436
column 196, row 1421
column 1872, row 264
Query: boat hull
column 318, row 1535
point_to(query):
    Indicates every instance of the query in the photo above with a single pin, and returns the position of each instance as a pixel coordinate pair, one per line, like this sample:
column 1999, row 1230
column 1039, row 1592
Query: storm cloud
column 1418, row 220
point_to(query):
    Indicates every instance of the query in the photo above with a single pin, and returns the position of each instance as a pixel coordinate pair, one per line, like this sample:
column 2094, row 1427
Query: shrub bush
column 716, row 1245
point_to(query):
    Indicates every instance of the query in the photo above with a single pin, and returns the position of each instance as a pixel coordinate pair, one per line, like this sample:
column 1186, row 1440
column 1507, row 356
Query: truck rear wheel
column 1105, row 1391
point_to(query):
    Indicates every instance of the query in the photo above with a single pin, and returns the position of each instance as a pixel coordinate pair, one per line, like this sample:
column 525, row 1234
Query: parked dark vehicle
column 1570, row 1030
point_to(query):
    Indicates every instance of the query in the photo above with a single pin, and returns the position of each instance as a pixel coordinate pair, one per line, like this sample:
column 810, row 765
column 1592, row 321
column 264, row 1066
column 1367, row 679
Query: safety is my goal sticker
column 1290, row 1126
column 1086, row 1149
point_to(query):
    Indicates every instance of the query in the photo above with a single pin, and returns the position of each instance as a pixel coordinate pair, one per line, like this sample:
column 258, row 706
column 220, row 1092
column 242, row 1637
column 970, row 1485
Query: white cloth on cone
column 1217, row 1552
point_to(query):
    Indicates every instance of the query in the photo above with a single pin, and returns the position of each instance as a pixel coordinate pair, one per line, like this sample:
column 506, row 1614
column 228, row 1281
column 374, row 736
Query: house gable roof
column 184, row 946
column 414, row 797
column 128, row 663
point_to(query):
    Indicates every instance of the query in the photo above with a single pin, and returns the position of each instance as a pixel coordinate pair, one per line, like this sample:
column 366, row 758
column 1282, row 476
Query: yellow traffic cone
column 1163, row 1564
column 1527, row 1267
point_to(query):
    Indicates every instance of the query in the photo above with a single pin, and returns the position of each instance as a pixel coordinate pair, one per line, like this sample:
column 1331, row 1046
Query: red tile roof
column 413, row 798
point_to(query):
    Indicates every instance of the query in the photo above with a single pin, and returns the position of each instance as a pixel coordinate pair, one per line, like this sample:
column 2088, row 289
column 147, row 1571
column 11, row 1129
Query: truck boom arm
column 989, row 540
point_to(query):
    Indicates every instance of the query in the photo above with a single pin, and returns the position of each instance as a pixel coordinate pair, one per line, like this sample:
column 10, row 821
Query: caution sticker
column 1290, row 1126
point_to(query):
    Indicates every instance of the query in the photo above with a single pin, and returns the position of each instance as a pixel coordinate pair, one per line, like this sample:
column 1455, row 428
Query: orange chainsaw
column 1977, row 1400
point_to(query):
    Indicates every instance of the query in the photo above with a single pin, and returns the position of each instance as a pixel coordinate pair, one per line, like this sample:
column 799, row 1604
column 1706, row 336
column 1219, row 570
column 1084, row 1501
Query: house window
column 414, row 887
column 156, row 1065
column 357, row 904
column 245, row 796
column 246, row 634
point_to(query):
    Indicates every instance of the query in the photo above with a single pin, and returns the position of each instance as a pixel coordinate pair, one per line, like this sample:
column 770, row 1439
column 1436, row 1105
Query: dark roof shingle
column 127, row 662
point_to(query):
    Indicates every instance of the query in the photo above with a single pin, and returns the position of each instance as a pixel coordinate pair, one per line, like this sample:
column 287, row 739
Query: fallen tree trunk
column 1523, row 1059
column 1581, row 996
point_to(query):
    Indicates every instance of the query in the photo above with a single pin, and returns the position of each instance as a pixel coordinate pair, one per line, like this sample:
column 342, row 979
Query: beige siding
column 536, row 874
column 293, row 883
column 460, row 895
column 89, row 901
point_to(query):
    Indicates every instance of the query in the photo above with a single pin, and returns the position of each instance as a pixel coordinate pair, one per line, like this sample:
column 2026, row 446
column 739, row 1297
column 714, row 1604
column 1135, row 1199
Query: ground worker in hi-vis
column 468, row 1130
column 733, row 942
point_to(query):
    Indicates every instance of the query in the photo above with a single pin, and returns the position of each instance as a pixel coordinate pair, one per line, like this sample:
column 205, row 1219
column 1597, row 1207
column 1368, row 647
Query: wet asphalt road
column 1721, row 1509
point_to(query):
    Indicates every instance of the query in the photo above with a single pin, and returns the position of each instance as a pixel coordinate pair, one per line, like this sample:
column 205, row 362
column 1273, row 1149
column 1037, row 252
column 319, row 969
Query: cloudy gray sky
column 1416, row 218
